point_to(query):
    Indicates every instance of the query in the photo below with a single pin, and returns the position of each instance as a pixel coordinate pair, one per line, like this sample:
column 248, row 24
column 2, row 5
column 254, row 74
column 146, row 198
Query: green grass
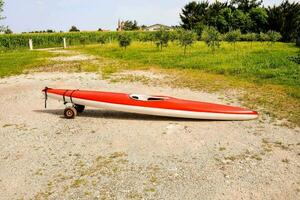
column 15, row 62
column 259, row 62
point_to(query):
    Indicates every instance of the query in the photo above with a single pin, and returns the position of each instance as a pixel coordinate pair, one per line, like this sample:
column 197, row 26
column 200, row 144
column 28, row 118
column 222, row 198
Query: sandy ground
column 111, row 155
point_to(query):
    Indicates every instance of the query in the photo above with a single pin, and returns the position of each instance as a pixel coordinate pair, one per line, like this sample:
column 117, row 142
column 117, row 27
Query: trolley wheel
column 70, row 112
column 79, row 108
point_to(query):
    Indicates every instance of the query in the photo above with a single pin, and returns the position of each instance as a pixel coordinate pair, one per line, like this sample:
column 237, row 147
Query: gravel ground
column 111, row 155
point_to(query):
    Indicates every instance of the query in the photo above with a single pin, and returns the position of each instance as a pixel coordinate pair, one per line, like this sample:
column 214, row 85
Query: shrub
column 262, row 37
column 173, row 35
column 186, row 38
column 212, row 38
column 273, row 36
column 8, row 31
column 162, row 38
column 250, row 37
column 199, row 29
column 124, row 40
column 233, row 36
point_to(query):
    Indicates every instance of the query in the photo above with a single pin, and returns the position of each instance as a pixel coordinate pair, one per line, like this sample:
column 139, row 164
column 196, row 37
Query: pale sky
column 29, row 15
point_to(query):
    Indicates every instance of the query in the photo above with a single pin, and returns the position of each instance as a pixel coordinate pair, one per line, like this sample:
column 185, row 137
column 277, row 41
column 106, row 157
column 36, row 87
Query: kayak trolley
column 70, row 112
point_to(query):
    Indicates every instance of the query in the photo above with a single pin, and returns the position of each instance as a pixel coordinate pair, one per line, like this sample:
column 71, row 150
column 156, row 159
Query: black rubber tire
column 79, row 108
column 70, row 112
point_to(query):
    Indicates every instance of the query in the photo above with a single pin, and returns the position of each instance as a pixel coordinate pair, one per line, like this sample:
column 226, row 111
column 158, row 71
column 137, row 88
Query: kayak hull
column 143, row 108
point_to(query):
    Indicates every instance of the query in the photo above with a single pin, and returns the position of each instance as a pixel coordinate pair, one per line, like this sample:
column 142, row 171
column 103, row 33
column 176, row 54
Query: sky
column 30, row 15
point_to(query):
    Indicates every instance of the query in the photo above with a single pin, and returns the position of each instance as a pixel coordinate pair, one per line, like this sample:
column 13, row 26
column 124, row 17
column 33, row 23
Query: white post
column 65, row 43
column 30, row 45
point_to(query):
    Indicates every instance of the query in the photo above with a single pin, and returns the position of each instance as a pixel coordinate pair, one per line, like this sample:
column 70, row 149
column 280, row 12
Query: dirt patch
column 61, row 51
column 73, row 58
column 111, row 155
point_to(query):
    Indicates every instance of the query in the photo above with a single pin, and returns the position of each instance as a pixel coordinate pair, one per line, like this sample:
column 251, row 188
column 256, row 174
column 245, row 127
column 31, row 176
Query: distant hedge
column 47, row 40
column 43, row 40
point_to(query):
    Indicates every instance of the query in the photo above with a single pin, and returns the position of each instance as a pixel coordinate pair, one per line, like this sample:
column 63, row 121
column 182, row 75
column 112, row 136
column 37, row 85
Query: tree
column 186, row 38
column 241, row 21
column 285, row 19
column 199, row 27
column 2, row 28
column 194, row 13
column 233, row 37
column 74, row 29
column 273, row 36
column 250, row 37
column 246, row 5
column 246, row 15
column 124, row 40
column 214, row 16
column 298, row 37
column 8, row 31
column 143, row 27
column 1, row 8
column 212, row 38
column 130, row 25
column 227, row 16
column 162, row 38
column 259, row 18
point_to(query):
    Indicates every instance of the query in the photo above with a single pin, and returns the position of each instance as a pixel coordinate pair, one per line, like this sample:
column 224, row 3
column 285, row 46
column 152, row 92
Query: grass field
column 258, row 62
column 15, row 62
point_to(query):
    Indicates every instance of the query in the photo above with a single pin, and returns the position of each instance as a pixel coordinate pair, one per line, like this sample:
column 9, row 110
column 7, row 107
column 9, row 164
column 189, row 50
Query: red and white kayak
column 151, row 105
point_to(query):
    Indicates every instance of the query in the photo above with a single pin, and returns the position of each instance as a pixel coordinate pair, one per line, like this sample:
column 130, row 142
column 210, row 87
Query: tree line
column 248, row 16
column 246, row 20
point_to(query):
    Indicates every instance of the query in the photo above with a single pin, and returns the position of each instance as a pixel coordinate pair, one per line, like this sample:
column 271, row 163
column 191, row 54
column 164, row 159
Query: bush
column 262, row 37
column 199, row 29
column 233, row 36
column 8, row 31
column 124, row 40
column 249, row 37
column 273, row 36
column 186, row 38
column 173, row 35
column 212, row 38
column 162, row 38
